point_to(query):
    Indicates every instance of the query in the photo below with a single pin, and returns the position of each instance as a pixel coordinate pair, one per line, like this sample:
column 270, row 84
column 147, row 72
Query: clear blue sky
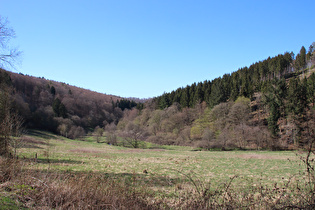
column 142, row 48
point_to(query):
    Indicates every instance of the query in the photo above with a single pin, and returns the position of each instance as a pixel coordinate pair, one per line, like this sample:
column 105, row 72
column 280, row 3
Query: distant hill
column 59, row 107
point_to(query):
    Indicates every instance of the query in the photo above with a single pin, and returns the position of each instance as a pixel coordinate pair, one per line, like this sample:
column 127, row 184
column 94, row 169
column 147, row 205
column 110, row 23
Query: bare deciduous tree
column 98, row 133
column 133, row 134
column 10, row 125
column 239, row 112
column 76, row 132
column 8, row 56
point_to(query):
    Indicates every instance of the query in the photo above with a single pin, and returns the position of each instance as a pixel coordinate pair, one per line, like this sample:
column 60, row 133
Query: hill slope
column 59, row 107
column 267, row 105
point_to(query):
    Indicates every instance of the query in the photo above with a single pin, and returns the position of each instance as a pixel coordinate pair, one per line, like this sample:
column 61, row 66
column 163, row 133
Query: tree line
column 243, row 82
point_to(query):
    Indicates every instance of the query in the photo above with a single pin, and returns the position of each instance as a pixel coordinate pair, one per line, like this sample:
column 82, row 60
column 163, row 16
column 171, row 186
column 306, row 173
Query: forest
column 268, row 105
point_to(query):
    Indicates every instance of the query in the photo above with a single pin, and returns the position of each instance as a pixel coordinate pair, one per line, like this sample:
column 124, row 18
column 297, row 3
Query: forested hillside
column 269, row 104
column 243, row 82
column 60, row 107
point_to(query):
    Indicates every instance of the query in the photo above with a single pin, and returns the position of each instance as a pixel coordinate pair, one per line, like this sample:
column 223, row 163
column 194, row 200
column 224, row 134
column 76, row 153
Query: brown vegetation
column 227, row 126
column 62, row 108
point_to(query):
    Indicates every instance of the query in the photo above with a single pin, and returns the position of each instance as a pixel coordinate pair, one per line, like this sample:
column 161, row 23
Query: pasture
column 58, row 153
column 167, row 174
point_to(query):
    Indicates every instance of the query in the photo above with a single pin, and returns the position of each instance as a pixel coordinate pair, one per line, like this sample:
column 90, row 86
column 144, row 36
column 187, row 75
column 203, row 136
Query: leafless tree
column 17, row 131
column 239, row 113
column 133, row 134
column 8, row 56
column 76, row 132
column 241, row 135
column 220, row 114
column 98, row 133
column 10, row 125
column 63, row 130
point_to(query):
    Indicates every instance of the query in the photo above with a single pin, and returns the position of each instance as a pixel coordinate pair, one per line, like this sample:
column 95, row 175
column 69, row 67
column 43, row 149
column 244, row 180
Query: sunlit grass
column 263, row 167
column 173, row 175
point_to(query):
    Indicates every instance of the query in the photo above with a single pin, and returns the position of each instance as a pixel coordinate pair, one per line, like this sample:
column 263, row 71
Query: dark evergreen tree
column 281, row 94
column 235, row 86
column 311, row 89
column 55, row 106
column 226, row 82
column 275, row 99
column 53, row 90
column 207, row 91
column 192, row 92
column 274, row 115
column 297, row 95
column 300, row 60
column 164, row 101
column 59, row 108
column 185, row 98
column 217, row 93
column 62, row 110
column 177, row 96
column 199, row 94
column 263, row 70
column 310, row 51
column 125, row 104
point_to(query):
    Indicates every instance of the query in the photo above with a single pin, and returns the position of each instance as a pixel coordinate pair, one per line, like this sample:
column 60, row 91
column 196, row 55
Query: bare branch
column 8, row 56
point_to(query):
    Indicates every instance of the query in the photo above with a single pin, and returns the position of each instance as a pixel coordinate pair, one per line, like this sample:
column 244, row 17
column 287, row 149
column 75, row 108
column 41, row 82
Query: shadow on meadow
column 57, row 161
column 39, row 134
column 44, row 160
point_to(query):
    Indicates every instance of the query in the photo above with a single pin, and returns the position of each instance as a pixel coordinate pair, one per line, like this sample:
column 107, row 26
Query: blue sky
column 142, row 48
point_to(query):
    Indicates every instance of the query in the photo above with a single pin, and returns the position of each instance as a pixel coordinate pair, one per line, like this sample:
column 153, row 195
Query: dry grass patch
column 261, row 156
column 86, row 151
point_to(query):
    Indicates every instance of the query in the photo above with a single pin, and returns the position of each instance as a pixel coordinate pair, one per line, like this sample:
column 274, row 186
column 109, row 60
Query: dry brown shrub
column 68, row 190
column 9, row 168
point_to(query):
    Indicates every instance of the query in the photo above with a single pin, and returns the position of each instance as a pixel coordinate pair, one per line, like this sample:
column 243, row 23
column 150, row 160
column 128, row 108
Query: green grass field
column 171, row 165
column 56, row 172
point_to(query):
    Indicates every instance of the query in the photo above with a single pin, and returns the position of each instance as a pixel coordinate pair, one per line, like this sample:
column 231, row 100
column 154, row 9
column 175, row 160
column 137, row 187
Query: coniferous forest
column 268, row 105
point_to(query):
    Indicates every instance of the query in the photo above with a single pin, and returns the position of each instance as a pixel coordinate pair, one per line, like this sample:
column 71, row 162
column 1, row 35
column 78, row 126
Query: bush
column 112, row 139
column 75, row 132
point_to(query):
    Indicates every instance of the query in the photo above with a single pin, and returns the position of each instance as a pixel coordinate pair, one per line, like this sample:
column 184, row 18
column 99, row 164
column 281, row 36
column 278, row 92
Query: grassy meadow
column 58, row 153
column 167, row 176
